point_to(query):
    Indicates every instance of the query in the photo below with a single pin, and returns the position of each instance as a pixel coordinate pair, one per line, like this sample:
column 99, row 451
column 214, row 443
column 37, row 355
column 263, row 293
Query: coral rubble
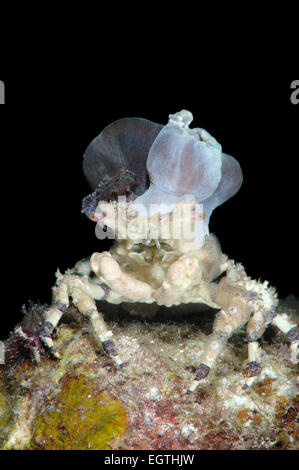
column 84, row 401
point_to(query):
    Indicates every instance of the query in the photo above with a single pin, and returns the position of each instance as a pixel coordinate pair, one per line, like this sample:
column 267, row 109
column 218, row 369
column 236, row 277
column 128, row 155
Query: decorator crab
column 154, row 189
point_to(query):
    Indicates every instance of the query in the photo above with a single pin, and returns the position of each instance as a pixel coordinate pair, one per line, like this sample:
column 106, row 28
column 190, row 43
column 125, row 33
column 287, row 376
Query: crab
column 151, row 182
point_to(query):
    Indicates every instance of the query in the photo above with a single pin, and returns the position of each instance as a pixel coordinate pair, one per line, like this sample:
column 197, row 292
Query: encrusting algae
column 80, row 418
column 5, row 409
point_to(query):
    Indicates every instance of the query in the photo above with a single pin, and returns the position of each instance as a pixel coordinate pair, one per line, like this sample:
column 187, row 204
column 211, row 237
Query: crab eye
column 97, row 216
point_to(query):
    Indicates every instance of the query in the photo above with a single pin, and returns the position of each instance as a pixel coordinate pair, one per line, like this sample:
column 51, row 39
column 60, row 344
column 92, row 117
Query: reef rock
column 84, row 401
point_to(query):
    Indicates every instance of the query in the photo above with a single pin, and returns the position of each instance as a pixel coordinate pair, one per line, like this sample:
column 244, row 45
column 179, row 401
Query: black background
column 50, row 117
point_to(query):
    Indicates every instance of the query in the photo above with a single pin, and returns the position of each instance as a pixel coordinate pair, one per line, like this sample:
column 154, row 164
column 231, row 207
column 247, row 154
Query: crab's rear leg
column 83, row 293
column 254, row 330
column 235, row 313
column 282, row 322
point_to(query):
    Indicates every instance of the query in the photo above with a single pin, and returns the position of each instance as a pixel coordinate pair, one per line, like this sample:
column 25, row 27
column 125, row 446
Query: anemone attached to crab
column 149, row 183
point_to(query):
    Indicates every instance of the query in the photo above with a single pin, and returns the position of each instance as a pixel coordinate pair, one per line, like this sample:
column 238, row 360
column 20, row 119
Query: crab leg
column 234, row 314
column 53, row 315
column 108, row 269
column 87, row 306
column 82, row 292
column 181, row 276
column 282, row 322
column 255, row 329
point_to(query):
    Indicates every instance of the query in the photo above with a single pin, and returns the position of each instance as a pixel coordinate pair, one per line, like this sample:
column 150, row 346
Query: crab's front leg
column 54, row 313
column 84, row 301
column 255, row 329
column 234, row 313
column 83, row 292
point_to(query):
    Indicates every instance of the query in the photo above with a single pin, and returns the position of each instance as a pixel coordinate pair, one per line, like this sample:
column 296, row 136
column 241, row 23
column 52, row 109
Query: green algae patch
column 80, row 419
column 5, row 411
